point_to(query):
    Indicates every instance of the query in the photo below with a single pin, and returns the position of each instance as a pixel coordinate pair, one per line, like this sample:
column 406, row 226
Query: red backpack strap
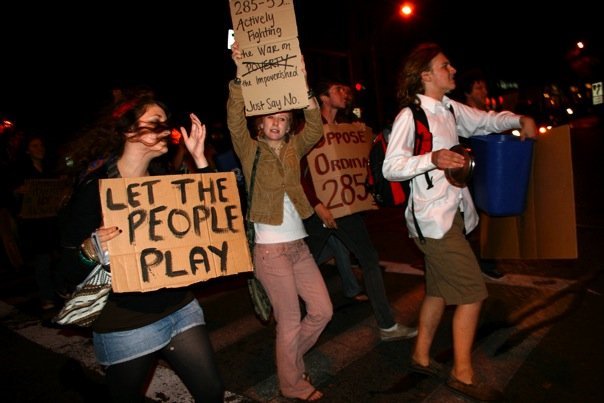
column 423, row 136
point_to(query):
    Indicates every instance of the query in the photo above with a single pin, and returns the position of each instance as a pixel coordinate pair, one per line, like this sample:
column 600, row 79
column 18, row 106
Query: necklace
column 277, row 148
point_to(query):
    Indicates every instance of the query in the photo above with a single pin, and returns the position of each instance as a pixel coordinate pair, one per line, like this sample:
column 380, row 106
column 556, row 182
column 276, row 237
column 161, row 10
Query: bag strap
column 423, row 135
column 422, row 145
column 249, row 226
column 422, row 139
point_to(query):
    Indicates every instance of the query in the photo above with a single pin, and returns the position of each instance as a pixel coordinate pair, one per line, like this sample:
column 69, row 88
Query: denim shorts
column 116, row 347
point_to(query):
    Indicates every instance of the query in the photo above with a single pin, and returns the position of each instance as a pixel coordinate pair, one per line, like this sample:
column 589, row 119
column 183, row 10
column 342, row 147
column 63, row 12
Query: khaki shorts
column 452, row 271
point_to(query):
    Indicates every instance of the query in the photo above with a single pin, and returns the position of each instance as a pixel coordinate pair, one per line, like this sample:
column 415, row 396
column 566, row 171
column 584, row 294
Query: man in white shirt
column 444, row 212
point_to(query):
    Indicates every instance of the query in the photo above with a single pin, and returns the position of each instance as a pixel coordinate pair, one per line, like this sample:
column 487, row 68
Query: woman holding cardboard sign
column 134, row 329
column 282, row 260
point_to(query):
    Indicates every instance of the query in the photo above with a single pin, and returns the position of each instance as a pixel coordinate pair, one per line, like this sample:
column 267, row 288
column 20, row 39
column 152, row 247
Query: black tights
column 191, row 357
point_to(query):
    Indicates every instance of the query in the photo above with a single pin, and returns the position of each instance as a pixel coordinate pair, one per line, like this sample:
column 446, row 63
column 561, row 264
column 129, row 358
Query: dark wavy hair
column 410, row 75
column 465, row 81
column 106, row 135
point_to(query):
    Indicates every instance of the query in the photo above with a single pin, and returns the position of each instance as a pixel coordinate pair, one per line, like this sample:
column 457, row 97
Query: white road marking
column 516, row 280
column 165, row 383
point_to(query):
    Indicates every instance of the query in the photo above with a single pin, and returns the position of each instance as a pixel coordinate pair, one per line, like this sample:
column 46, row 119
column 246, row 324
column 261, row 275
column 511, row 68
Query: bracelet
column 84, row 259
column 310, row 94
column 88, row 251
column 237, row 80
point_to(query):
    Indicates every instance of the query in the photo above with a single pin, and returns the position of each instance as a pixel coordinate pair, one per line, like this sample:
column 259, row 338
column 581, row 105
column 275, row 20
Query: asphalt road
column 539, row 339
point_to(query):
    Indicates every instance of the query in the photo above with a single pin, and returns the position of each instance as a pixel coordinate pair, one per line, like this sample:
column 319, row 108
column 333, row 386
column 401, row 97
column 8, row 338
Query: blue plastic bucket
column 501, row 173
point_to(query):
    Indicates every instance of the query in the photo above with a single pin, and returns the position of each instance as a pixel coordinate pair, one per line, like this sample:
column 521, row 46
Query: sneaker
column 398, row 332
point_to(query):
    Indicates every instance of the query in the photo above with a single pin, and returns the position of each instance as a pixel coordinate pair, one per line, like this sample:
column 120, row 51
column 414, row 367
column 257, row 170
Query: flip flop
column 314, row 396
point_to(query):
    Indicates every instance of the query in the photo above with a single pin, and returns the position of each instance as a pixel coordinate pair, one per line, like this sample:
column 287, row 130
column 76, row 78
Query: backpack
column 391, row 193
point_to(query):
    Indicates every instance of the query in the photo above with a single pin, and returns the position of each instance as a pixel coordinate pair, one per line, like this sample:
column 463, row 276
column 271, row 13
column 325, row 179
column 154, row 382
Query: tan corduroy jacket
column 275, row 174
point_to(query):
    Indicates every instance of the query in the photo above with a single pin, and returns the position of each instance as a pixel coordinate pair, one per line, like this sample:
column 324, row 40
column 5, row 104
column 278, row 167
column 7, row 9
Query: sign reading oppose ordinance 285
column 272, row 79
column 177, row 230
column 338, row 165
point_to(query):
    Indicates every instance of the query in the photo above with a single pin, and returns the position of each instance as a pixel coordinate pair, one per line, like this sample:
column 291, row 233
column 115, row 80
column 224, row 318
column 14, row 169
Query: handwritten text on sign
column 271, row 79
column 271, row 72
column 256, row 21
column 44, row 197
column 338, row 165
column 177, row 230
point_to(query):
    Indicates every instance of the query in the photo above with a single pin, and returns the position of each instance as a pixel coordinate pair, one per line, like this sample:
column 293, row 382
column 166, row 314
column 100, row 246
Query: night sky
column 58, row 69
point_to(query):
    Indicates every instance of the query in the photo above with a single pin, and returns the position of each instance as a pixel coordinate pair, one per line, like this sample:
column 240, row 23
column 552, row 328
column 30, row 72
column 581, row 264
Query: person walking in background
column 135, row 329
column 444, row 212
column 11, row 140
column 473, row 91
column 334, row 248
column 282, row 261
column 37, row 234
column 351, row 229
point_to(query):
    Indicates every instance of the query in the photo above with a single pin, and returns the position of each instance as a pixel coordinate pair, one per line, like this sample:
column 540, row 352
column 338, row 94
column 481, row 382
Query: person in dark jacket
column 135, row 329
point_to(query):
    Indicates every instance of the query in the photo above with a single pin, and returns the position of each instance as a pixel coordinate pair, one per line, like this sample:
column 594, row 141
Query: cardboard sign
column 597, row 93
column 338, row 166
column 547, row 229
column 177, row 230
column 44, row 197
column 268, row 38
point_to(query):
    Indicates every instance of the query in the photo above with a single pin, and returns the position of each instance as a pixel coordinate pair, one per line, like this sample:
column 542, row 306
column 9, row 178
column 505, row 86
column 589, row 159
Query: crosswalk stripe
column 517, row 280
column 165, row 384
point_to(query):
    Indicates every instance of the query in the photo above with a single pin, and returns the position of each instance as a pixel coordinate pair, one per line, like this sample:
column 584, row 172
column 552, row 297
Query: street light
column 406, row 10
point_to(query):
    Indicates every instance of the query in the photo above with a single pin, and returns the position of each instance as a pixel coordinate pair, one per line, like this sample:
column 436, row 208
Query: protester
column 334, row 248
column 37, row 234
column 350, row 229
column 474, row 92
column 135, row 329
column 282, row 260
column 444, row 212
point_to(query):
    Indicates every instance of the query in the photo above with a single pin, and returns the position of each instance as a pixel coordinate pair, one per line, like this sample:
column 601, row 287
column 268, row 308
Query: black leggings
column 191, row 357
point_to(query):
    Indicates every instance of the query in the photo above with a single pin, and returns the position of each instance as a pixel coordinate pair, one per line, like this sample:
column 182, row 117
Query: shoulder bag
column 88, row 300
column 260, row 301
column 90, row 296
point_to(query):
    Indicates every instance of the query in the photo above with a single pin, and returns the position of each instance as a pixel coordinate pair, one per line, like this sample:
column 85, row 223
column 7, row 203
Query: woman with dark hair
column 135, row 329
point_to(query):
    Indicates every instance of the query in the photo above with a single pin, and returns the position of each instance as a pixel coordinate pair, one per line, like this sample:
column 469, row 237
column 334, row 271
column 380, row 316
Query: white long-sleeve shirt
column 435, row 208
